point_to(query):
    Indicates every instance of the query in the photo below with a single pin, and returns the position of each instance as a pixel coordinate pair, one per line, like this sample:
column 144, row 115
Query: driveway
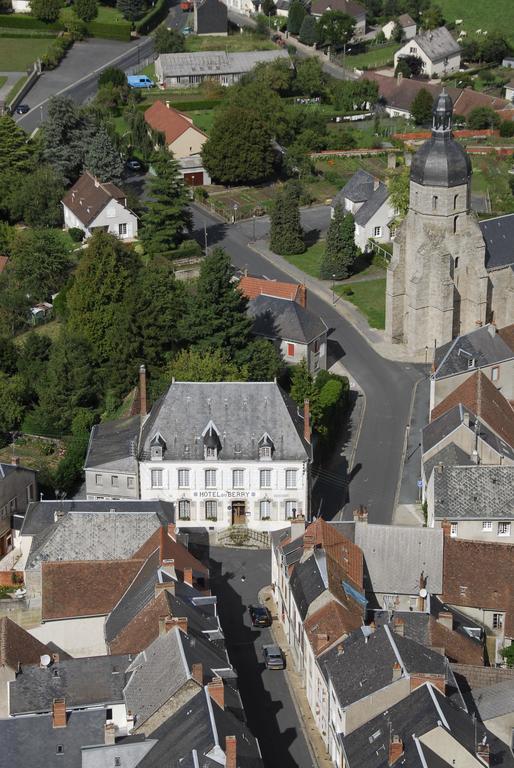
column 266, row 697
column 387, row 385
column 12, row 79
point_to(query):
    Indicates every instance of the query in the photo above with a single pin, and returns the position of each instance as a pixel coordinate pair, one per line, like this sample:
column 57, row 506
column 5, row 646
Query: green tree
column 160, row 306
column 310, row 79
column 409, row 66
column 470, row 50
column 432, row 18
column 168, row 40
column 87, row 10
column 32, row 362
column 239, row 149
column 286, row 236
column 276, row 75
column 112, row 76
column 131, row 9
column 39, row 263
column 335, row 28
column 101, row 306
column 8, row 356
column 166, row 214
column 303, row 387
column 421, row 107
column 69, row 472
column 493, row 49
column 46, row 10
column 15, row 153
column 36, row 200
column 203, row 365
column 508, row 654
column 217, row 314
column 62, row 138
column 399, row 190
column 11, row 402
column 102, row 158
column 14, row 305
column 340, row 252
column 139, row 132
column 268, row 8
column 261, row 360
column 483, row 117
column 295, row 17
column 264, row 103
column 309, row 31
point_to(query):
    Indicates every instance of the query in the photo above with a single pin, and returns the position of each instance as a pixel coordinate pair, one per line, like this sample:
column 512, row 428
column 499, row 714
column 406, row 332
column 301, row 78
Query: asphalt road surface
column 266, row 697
column 388, row 386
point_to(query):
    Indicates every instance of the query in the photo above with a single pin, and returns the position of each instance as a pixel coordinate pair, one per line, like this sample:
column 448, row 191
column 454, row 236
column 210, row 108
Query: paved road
column 388, row 388
column 266, row 697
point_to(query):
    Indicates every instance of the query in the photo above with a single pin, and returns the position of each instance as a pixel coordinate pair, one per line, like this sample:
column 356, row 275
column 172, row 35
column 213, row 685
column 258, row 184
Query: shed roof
column 216, row 62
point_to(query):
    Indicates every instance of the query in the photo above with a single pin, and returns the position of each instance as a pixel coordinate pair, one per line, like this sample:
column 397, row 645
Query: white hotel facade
column 224, row 453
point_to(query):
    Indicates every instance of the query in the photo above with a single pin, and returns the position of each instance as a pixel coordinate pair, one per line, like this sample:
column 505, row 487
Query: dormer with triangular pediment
column 211, row 441
column 157, row 447
column 266, row 447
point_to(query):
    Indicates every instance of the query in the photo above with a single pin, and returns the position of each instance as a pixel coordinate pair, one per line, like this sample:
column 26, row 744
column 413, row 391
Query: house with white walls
column 92, row 205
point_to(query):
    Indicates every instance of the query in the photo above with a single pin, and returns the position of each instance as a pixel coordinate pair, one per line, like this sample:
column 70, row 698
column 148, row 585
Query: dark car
column 134, row 165
column 273, row 657
column 260, row 616
column 22, row 109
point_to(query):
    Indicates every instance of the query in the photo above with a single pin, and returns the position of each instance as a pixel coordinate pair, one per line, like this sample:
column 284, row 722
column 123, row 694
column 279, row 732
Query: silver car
column 273, row 657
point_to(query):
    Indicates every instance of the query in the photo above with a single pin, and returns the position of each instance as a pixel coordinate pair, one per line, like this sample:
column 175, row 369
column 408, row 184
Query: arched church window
column 456, row 262
column 434, row 202
column 455, row 219
column 455, row 201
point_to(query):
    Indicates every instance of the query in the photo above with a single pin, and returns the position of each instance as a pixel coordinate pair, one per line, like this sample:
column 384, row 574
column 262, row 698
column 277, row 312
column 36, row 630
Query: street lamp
column 235, row 207
column 254, row 227
column 333, row 289
column 41, row 112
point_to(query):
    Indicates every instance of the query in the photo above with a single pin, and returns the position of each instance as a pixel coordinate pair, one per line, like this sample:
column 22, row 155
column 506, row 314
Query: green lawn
column 3, row 80
column 310, row 261
column 17, row 54
column 202, row 118
column 490, row 15
column 369, row 297
column 106, row 15
column 236, row 42
column 375, row 57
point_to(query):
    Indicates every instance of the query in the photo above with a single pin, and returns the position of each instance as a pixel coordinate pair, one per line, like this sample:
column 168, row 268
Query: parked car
column 187, row 30
column 133, row 164
column 273, row 657
column 22, row 109
column 140, row 81
column 260, row 616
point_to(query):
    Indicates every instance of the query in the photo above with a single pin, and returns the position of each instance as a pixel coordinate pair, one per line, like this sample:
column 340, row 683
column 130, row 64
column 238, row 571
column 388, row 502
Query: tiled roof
column 400, row 93
column 18, row 646
column 479, row 348
column 141, row 629
column 405, row 20
column 113, row 444
column 219, row 62
column 449, row 456
column 169, row 121
column 173, row 550
column 346, row 6
column 88, row 197
column 507, row 334
column 84, row 588
column 468, row 100
column 485, row 401
column 338, row 547
column 476, row 492
column 480, row 574
column 437, row 43
column 326, row 625
column 255, row 286
column 276, row 318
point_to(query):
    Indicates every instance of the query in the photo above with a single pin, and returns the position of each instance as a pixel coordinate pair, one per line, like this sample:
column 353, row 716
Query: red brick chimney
column 301, row 295
column 397, row 671
column 445, row 525
column 172, row 531
column 59, row 713
column 142, row 391
column 166, row 623
column 360, row 514
column 230, row 752
column 306, row 421
column 217, row 691
column 163, row 536
column 15, row 461
column 197, row 673
column 188, row 576
column 483, row 753
column 165, row 586
column 395, row 749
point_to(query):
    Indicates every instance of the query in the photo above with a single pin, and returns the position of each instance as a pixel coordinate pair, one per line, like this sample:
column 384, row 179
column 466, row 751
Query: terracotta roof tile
column 337, row 548
column 17, row 645
column 172, row 550
column 168, row 121
column 401, row 93
column 327, row 625
column 480, row 395
column 88, row 197
column 84, row 588
column 257, row 286
column 507, row 334
column 469, row 100
column 457, row 647
column 480, row 574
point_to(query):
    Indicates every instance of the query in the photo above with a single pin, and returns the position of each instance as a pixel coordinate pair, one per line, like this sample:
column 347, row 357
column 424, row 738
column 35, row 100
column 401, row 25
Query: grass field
column 3, row 80
column 369, row 297
column 17, row 54
column 310, row 261
column 106, row 15
column 203, row 119
column 490, row 15
column 236, row 42
column 375, row 57
column 491, row 174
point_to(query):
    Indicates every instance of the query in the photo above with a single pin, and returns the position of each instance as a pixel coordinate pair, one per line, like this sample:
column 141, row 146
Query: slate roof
column 88, row 197
column 113, row 445
column 242, row 413
column 17, row 646
column 395, row 556
column 478, row 492
column 346, row 6
column 449, row 456
column 358, row 189
column 91, row 530
column 32, row 742
column 84, row 588
column 498, row 234
column 495, row 701
column 210, row 17
column 131, row 752
column 308, row 582
column 372, row 205
column 362, row 664
column 404, row 20
column 169, row 121
column 481, row 346
column 284, row 319
column 255, row 286
column 85, row 682
column 424, row 710
column 437, row 44
column 216, row 62
column 480, row 574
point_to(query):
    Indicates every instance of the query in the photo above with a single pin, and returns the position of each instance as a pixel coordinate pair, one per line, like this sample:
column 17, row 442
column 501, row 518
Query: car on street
column 22, row 109
column 260, row 616
column 273, row 657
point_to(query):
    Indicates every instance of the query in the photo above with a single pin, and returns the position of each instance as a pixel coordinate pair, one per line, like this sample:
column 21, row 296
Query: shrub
column 56, row 52
column 109, row 31
column 157, row 14
column 19, row 21
column 507, row 129
column 76, row 234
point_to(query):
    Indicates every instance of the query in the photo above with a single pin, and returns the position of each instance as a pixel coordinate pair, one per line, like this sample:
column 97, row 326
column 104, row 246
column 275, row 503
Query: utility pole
column 205, row 237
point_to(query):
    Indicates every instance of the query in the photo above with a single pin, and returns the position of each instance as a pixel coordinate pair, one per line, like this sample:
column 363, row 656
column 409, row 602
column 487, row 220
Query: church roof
column 498, row 234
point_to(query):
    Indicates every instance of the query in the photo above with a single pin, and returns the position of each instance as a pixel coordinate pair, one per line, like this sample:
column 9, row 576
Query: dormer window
column 157, row 447
column 266, row 447
column 211, row 443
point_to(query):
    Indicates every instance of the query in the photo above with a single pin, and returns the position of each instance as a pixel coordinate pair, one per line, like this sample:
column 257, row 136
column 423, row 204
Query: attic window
column 117, row 761
column 157, row 447
column 266, row 447
column 211, row 444
column 59, row 750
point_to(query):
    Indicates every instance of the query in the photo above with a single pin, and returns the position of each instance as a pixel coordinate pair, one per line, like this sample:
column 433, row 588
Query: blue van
column 139, row 81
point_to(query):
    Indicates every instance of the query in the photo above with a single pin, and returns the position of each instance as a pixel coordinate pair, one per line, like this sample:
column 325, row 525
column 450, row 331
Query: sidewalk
column 323, row 290
column 319, row 755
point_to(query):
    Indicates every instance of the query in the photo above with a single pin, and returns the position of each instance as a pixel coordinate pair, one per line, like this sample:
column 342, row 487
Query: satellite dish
column 45, row 660
column 423, row 593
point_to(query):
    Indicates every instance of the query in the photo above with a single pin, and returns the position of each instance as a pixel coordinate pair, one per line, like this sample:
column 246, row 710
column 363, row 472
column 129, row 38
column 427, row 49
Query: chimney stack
column 188, row 576
column 465, row 419
column 306, row 421
column 376, row 183
column 165, row 586
column 163, row 535
column 483, row 752
column 492, row 329
column 109, row 734
column 395, row 749
column 172, row 531
column 230, row 752
column 399, row 627
column 197, row 673
column 397, row 671
column 302, row 295
column 445, row 525
column 142, row 391
column 59, row 713
column 297, row 528
column 15, row 461
column 446, row 619
column 216, row 691
column 167, row 623
column 360, row 515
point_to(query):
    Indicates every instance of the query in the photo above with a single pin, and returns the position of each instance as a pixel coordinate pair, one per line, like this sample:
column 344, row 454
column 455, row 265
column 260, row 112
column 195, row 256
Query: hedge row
column 153, row 17
column 56, row 52
column 11, row 33
column 20, row 21
column 184, row 106
column 111, row 31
